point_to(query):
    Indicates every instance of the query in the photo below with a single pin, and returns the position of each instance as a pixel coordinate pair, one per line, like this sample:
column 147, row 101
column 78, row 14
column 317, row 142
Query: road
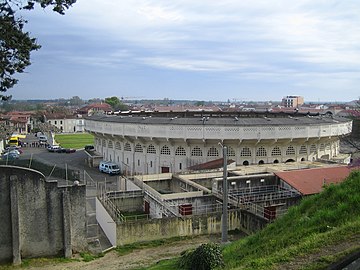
column 74, row 161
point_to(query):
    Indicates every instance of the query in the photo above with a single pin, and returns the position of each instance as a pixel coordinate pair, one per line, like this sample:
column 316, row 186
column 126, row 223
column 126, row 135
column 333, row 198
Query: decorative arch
column 290, row 151
column 165, row 150
column 151, row 149
column 261, row 152
column 231, row 152
column 118, row 146
column 110, row 144
column 196, row 152
column 127, row 147
column 180, row 151
column 139, row 148
column 276, row 151
column 245, row 152
column 303, row 150
column 213, row 152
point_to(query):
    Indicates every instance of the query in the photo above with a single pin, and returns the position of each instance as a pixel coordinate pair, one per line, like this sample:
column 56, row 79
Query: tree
column 76, row 101
column 16, row 44
column 115, row 103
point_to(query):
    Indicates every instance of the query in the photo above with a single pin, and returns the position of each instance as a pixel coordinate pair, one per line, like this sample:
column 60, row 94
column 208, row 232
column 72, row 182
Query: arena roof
column 224, row 119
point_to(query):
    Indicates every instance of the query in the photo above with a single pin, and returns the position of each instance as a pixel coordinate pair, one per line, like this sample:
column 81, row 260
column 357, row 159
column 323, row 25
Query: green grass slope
column 322, row 229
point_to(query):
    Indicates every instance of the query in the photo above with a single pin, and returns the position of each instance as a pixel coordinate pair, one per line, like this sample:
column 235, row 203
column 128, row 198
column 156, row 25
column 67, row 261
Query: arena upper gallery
column 149, row 142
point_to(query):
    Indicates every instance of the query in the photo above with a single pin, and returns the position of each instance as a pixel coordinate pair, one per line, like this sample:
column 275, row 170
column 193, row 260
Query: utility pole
column 224, row 231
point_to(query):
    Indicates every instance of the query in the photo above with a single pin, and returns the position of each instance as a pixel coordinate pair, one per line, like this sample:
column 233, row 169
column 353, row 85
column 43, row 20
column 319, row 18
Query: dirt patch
column 138, row 258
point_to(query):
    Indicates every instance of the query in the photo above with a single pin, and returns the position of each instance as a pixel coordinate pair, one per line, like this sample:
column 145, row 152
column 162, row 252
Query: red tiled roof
column 311, row 181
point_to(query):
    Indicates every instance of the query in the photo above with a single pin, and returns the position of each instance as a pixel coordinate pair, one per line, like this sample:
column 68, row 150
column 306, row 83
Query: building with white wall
column 147, row 143
column 67, row 124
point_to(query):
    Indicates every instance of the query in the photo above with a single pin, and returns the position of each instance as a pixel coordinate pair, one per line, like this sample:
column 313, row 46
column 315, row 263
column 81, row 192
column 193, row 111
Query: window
column 138, row 162
column 290, row 151
column 196, row 152
column 327, row 146
column 55, row 122
column 180, row 151
column 138, row 148
column 313, row 149
column 276, row 151
column 127, row 147
column 118, row 146
column 165, row 150
column 180, row 166
column 322, row 147
column 245, row 152
column 231, row 152
column 110, row 144
column 151, row 164
column 60, row 122
column 303, row 150
column 261, row 152
column 103, row 143
column 151, row 149
column 213, row 152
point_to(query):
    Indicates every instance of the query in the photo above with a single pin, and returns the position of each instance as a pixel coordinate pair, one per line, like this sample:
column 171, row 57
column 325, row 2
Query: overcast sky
column 198, row 50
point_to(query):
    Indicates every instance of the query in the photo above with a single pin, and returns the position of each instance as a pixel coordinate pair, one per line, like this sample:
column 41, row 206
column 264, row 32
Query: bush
column 205, row 257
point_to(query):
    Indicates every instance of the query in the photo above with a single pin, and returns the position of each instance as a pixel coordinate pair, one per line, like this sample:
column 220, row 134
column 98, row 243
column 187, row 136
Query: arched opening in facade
column 261, row 162
column 302, row 159
column 276, row 161
column 246, row 163
column 290, row 160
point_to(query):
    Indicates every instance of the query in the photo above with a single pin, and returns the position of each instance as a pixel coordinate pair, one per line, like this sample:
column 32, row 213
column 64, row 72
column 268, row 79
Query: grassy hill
column 321, row 230
column 321, row 223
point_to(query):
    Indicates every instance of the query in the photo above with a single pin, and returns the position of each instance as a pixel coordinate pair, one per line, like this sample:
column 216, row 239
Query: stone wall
column 38, row 218
column 149, row 230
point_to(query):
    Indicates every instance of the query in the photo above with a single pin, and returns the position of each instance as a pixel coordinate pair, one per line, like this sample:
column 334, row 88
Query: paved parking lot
column 75, row 161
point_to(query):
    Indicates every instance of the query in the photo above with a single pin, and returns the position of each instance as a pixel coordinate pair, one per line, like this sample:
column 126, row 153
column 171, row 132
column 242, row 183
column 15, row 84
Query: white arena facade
column 150, row 142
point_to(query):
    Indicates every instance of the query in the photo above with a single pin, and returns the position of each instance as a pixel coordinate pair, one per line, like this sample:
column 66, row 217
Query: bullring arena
column 153, row 142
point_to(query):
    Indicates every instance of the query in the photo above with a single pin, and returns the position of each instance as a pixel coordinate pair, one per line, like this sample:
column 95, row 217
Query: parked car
column 108, row 167
column 10, row 156
column 70, row 150
column 10, row 148
column 60, row 150
column 53, row 148
column 42, row 138
column 89, row 148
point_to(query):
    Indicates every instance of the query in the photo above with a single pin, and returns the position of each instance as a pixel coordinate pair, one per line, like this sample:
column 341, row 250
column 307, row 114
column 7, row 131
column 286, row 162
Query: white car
column 53, row 148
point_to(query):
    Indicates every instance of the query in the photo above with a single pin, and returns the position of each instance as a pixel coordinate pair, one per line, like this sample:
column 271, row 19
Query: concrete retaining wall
column 37, row 217
column 148, row 230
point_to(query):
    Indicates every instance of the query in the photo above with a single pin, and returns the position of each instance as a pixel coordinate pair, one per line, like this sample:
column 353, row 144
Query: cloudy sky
column 199, row 50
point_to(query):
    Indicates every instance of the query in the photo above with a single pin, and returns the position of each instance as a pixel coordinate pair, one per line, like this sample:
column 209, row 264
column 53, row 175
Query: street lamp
column 224, row 231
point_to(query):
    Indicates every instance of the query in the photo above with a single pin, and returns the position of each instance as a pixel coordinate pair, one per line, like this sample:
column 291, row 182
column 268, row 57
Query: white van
column 108, row 167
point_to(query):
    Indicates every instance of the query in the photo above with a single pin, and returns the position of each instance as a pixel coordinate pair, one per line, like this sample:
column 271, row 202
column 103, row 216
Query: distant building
column 66, row 123
column 292, row 101
column 20, row 121
column 96, row 108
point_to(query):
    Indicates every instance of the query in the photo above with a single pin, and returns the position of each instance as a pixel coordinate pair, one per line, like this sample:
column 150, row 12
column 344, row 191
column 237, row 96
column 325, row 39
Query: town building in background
column 292, row 101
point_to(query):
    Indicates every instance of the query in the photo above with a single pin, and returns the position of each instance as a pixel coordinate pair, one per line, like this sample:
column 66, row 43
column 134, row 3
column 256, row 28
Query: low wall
column 149, row 230
column 129, row 204
column 38, row 218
